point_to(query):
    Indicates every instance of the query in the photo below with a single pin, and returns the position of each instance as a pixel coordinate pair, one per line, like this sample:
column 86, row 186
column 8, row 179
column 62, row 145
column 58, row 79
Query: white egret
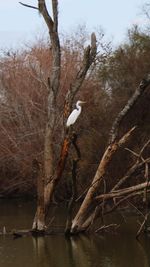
column 75, row 113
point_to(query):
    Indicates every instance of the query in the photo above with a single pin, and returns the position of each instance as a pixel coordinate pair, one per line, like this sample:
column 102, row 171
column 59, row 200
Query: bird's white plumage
column 73, row 117
column 74, row 114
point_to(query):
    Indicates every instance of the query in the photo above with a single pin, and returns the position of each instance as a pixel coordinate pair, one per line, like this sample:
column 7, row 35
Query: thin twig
column 123, row 200
column 142, row 225
column 132, row 152
column 105, row 227
column 145, row 145
column 34, row 7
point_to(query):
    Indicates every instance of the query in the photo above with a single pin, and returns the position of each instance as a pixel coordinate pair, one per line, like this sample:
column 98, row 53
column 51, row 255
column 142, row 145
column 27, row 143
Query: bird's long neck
column 78, row 107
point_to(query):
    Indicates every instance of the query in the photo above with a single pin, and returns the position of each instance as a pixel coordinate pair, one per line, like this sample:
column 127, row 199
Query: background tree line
column 107, row 87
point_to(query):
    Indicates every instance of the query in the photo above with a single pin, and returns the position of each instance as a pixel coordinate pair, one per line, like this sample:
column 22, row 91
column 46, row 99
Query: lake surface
column 114, row 249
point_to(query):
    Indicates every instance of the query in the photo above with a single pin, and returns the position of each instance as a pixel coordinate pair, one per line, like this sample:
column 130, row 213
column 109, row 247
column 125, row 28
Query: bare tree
column 50, row 175
column 87, row 210
column 51, row 172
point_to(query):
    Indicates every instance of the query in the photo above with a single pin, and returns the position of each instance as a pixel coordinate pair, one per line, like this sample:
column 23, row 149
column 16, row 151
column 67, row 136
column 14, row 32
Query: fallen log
column 34, row 233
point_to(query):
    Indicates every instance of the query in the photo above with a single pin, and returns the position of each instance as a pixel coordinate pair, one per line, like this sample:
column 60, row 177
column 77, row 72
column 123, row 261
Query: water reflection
column 113, row 249
column 90, row 252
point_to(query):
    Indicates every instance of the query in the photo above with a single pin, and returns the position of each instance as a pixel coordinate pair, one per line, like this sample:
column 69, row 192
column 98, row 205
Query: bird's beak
column 82, row 102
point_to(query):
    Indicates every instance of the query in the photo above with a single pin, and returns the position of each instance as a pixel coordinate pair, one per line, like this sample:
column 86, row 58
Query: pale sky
column 19, row 24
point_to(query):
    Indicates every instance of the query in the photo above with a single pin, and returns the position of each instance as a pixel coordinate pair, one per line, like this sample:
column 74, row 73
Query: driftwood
column 34, row 233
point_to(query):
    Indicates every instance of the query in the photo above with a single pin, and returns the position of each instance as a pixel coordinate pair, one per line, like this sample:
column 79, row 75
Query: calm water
column 117, row 249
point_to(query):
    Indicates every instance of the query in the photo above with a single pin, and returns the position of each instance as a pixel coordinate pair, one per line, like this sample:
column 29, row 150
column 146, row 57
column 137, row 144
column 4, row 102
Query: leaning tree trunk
column 84, row 216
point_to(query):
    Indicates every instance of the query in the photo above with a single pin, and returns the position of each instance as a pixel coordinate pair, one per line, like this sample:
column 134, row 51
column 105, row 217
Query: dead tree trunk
column 53, row 91
column 84, row 216
column 88, row 58
column 74, row 184
column 40, row 213
column 53, row 88
column 51, row 176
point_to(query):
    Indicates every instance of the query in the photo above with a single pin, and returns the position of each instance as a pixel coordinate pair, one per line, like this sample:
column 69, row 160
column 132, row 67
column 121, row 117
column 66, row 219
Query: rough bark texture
column 59, row 171
column 39, row 220
column 124, row 194
column 53, row 89
column 138, row 92
column 51, row 176
column 124, row 191
column 74, row 184
column 53, row 85
column 88, row 58
column 84, row 214
column 111, row 149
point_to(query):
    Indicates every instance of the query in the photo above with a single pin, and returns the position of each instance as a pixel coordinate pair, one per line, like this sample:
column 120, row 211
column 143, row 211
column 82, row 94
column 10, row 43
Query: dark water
column 117, row 249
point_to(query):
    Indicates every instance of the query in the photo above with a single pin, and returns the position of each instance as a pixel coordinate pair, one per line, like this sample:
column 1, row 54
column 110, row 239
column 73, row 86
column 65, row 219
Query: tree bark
column 39, row 220
column 88, row 58
column 124, row 191
column 90, row 196
column 51, row 176
column 138, row 92
column 53, row 91
column 83, row 216
column 53, row 85
column 74, row 184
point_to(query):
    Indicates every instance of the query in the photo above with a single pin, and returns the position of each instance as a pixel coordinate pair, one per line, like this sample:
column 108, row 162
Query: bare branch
column 43, row 10
column 123, row 200
column 105, row 227
column 145, row 198
column 132, row 152
column 145, row 145
column 142, row 226
column 34, row 7
column 88, row 59
column 129, row 173
column 138, row 92
column 135, row 167
column 123, row 191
